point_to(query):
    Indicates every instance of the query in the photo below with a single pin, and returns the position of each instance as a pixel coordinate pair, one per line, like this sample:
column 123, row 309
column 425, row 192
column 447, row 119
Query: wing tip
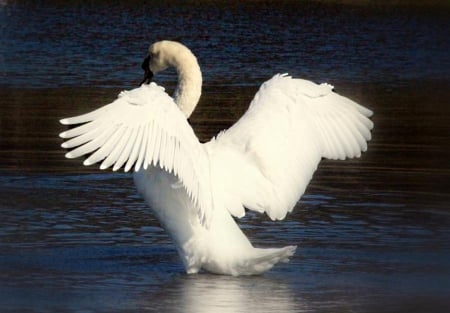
column 87, row 162
column 65, row 121
column 364, row 111
column 127, row 167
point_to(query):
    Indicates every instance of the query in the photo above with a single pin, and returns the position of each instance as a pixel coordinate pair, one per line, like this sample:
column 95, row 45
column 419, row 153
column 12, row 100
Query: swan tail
column 261, row 260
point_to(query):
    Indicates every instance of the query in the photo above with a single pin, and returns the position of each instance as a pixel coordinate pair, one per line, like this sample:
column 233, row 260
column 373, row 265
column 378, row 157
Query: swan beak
column 147, row 77
column 148, row 74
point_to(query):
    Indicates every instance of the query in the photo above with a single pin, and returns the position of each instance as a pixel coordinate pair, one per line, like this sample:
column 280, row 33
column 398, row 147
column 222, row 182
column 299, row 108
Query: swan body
column 263, row 162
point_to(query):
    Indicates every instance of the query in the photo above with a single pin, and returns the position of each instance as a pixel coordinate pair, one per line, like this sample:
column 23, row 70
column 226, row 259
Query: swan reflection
column 217, row 294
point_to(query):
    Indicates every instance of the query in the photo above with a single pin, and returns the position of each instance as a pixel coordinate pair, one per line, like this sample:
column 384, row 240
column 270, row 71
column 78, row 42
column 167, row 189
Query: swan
column 262, row 163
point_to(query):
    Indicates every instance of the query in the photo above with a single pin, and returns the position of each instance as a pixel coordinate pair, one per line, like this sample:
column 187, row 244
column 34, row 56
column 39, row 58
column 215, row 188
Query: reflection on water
column 373, row 233
column 208, row 293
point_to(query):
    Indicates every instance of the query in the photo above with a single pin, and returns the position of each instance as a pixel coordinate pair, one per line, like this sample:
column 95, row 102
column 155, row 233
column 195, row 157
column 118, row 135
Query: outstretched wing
column 143, row 127
column 265, row 161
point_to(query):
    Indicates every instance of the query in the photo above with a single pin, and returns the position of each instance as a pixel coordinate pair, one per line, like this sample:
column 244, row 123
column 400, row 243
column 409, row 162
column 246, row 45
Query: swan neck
column 188, row 91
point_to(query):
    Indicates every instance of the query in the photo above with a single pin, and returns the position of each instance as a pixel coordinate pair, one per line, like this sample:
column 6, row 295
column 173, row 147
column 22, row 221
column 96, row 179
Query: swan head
column 165, row 54
column 157, row 60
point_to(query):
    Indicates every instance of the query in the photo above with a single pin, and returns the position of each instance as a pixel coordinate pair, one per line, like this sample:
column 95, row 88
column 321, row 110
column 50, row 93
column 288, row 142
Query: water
column 373, row 233
column 53, row 43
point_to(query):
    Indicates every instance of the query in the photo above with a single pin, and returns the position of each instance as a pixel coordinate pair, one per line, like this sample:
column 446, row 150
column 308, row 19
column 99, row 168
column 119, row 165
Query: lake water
column 373, row 233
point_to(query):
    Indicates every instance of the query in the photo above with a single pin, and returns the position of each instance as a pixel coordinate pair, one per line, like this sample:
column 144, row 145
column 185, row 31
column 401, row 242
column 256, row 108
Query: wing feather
column 361, row 141
column 82, row 138
column 152, row 133
column 340, row 139
column 85, row 128
column 104, row 150
column 127, row 149
column 85, row 117
column 117, row 148
column 143, row 128
column 352, row 148
column 170, row 154
column 177, row 158
column 95, row 143
column 164, row 154
column 327, row 140
column 142, row 150
column 156, row 143
column 266, row 160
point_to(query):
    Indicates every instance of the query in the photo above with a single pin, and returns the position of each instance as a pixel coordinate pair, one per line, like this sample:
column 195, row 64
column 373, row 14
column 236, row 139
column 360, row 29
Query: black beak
column 148, row 74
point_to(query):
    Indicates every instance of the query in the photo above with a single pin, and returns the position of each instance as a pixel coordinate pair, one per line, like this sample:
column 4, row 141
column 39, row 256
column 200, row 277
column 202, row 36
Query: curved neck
column 189, row 86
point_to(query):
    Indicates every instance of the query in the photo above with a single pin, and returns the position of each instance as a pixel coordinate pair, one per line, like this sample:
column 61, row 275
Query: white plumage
column 263, row 162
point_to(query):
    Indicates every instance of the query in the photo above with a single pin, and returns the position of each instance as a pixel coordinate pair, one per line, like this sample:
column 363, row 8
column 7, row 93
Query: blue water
column 373, row 233
column 51, row 43
column 86, row 243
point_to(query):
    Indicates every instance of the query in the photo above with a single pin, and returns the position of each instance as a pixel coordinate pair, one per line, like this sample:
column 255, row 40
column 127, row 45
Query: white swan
column 263, row 162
